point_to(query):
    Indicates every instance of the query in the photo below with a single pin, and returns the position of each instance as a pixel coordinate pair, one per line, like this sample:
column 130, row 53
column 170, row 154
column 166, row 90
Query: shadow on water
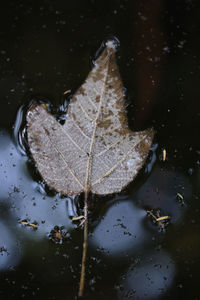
column 48, row 50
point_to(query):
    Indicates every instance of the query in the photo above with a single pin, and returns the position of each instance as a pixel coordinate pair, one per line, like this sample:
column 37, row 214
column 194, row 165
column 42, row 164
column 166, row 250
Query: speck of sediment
column 97, row 98
column 105, row 124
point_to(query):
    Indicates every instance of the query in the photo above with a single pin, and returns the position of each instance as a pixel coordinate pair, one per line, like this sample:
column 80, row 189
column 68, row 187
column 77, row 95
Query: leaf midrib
column 90, row 156
column 66, row 162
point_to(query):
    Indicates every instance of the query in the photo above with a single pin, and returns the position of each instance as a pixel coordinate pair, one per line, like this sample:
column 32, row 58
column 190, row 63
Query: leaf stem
column 84, row 255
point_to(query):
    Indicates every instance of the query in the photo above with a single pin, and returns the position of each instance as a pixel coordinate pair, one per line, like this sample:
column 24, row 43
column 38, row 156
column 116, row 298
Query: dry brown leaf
column 94, row 151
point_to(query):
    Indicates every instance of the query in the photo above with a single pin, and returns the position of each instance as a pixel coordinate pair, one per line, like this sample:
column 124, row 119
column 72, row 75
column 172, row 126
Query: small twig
column 162, row 218
column 67, row 92
column 164, row 152
column 77, row 218
column 158, row 219
column 28, row 224
column 179, row 196
column 151, row 214
column 82, row 222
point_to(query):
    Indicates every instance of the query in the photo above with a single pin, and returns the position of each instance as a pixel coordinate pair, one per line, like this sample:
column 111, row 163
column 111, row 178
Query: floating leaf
column 94, row 151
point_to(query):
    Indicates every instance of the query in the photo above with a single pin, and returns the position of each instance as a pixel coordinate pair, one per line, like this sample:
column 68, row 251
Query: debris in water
column 162, row 218
column 179, row 196
column 67, row 92
column 58, row 234
column 77, row 218
column 164, row 152
column 157, row 218
column 28, row 224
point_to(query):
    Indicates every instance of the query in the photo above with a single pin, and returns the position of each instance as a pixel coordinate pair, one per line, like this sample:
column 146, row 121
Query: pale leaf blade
column 94, row 150
column 54, row 153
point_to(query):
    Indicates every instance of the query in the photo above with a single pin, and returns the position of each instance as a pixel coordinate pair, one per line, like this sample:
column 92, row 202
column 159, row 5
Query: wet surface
column 46, row 50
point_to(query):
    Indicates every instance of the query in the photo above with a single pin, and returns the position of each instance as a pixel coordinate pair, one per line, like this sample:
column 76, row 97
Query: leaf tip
column 112, row 44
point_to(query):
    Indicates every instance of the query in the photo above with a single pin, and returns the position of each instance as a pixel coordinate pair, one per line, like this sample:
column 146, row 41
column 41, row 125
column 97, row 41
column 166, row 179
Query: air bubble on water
column 190, row 171
column 166, row 49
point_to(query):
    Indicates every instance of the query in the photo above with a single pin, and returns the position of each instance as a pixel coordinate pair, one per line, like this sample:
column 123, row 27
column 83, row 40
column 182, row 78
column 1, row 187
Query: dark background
column 46, row 48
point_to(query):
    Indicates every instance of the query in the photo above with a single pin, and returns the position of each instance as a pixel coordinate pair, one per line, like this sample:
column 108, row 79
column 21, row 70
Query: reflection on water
column 161, row 190
column 121, row 230
column 9, row 248
column 149, row 278
column 124, row 231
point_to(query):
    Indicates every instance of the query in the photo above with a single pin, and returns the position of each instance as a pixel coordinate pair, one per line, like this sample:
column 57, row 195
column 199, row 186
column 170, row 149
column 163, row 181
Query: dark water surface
column 46, row 48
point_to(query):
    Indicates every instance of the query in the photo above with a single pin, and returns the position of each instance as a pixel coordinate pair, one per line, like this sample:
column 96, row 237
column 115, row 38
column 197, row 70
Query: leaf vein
column 66, row 162
column 86, row 114
column 66, row 134
column 80, row 129
column 116, row 165
column 89, row 165
column 91, row 101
